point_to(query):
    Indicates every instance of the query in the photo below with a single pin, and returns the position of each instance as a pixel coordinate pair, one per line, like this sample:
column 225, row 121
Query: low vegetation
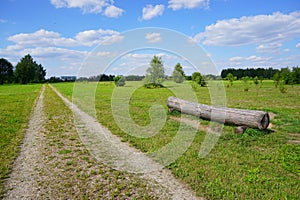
column 254, row 165
column 16, row 104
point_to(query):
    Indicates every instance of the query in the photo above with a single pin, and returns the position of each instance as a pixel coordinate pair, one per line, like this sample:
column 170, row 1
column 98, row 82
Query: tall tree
column 40, row 73
column 27, row 71
column 178, row 74
column 6, row 71
column 155, row 74
column 296, row 75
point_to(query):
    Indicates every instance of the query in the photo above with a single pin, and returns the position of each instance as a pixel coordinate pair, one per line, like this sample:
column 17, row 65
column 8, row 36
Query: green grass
column 16, row 104
column 255, row 165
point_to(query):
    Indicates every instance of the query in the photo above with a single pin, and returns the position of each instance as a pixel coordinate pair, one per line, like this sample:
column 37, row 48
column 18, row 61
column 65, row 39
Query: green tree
column 6, row 71
column 276, row 79
column 199, row 79
column 261, row 79
column 246, row 83
column 230, row 78
column 256, row 81
column 119, row 80
column 40, row 73
column 155, row 74
column 296, row 75
column 28, row 71
column 178, row 74
column 286, row 76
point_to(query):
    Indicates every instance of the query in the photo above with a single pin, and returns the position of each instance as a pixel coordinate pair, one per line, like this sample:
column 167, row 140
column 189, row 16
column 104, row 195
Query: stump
column 240, row 117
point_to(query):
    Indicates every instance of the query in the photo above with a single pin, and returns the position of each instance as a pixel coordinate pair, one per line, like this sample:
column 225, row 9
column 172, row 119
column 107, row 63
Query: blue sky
column 60, row 34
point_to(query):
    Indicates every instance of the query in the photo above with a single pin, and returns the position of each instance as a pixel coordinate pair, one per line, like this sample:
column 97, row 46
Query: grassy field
column 255, row 165
column 16, row 104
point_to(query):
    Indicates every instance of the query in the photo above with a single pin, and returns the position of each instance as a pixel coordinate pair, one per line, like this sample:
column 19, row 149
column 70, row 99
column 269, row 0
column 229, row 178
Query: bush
column 282, row 87
column 119, row 80
column 199, row 79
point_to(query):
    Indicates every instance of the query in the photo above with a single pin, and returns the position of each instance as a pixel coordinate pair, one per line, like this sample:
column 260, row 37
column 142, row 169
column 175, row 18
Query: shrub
column 199, row 79
column 119, row 80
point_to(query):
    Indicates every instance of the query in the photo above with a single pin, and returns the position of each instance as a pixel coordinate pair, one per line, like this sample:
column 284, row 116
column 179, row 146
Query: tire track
column 22, row 183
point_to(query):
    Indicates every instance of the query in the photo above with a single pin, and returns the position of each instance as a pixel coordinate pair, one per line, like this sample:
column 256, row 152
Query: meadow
column 16, row 103
column 254, row 165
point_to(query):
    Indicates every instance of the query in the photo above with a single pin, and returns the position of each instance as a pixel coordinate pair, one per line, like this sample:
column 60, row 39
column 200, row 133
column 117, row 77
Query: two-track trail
column 59, row 165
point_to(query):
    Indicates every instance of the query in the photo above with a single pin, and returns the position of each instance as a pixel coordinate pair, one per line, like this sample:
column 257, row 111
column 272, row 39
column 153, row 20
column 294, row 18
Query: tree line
column 285, row 75
column 105, row 77
column 250, row 72
column 26, row 71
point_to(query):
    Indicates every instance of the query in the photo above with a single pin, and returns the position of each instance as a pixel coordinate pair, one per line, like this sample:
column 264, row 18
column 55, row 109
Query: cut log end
column 264, row 123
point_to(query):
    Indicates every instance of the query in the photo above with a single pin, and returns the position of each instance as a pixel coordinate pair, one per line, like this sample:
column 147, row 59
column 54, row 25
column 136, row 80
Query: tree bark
column 239, row 117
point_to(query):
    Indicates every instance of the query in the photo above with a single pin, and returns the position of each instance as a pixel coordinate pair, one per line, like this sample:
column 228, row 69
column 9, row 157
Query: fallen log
column 239, row 117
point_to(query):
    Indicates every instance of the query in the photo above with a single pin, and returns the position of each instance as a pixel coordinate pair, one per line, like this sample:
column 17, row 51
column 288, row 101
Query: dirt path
column 108, row 148
column 22, row 181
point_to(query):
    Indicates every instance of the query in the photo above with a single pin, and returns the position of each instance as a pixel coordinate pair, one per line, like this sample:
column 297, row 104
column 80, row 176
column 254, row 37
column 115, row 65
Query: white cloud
column 103, row 54
column 87, row 6
column 298, row 45
column 91, row 6
column 252, row 58
column 49, row 38
column 269, row 48
column 113, row 39
column 53, row 50
column 262, row 30
column 3, row 21
column 58, row 53
column 187, row 4
column 95, row 37
column 113, row 11
column 41, row 38
column 153, row 37
column 151, row 11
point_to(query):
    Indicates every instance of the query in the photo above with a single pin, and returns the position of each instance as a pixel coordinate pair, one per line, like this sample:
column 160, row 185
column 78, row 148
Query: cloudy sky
column 61, row 34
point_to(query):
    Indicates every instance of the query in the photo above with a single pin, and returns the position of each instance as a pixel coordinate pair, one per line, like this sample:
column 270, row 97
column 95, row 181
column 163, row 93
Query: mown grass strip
column 16, row 103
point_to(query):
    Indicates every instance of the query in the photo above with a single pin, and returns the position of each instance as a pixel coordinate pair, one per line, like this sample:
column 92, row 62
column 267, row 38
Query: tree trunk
column 239, row 117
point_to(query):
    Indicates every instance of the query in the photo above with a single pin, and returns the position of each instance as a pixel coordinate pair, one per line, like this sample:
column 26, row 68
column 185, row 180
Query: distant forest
column 286, row 75
column 104, row 77
column 250, row 72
